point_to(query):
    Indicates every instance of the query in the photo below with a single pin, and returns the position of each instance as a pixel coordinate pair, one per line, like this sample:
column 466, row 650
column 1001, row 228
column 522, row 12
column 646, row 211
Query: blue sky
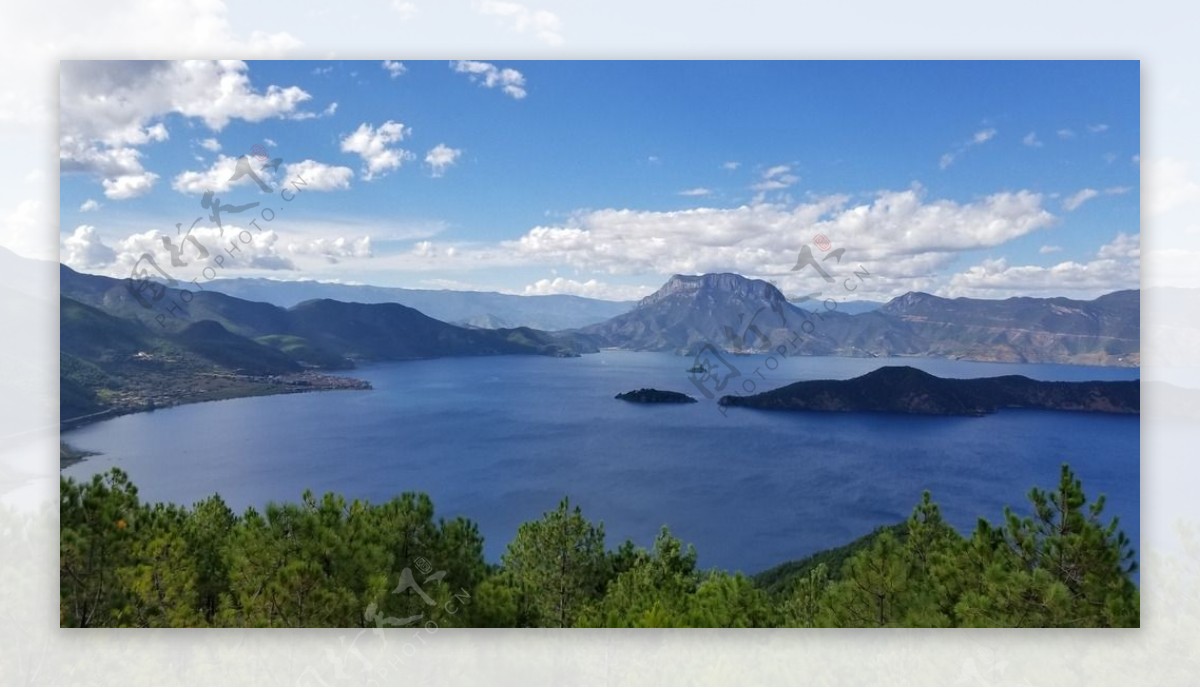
column 980, row 179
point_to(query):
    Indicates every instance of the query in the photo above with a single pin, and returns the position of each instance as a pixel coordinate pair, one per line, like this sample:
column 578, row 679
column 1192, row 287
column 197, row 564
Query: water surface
column 501, row 440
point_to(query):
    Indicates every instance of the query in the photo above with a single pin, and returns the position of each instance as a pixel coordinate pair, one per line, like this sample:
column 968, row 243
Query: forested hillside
column 331, row 563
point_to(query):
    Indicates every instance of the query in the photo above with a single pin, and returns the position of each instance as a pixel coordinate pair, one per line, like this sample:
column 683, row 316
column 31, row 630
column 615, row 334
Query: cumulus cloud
column 393, row 68
column 210, row 144
column 697, row 191
column 488, row 75
column 220, row 177
column 85, row 250
column 333, row 250
column 242, row 248
column 1117, row 265
column 1031, row 139
column 730, row 165
column 1066, row 133
column 375, row 148
column 317, row 176
column 1049, row 249
column 592, row 288
column 128, row 186
column 541, row 23
column 978, row 138
column 440, row 158
column 1097, row 128
column 110, row 109
column 898, row 235
column 89, row 205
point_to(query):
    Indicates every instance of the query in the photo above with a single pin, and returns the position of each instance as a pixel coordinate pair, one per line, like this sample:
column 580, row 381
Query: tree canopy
column 326, row 562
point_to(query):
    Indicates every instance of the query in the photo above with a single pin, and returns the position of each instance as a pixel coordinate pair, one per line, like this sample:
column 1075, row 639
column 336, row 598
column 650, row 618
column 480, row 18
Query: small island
column 903, row 389
column 655, row 396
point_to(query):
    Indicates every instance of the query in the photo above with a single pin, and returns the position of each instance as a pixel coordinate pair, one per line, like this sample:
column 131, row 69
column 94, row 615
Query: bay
column 501, row 440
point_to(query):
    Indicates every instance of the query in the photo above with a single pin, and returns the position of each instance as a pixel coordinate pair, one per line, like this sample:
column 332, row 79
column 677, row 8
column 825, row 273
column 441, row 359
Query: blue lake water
column 501, row 440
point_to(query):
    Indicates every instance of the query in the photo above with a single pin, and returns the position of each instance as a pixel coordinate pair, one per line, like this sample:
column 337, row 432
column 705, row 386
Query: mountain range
column 490, row 310
column 732, row 313
column 122, row 354
column 128, row 351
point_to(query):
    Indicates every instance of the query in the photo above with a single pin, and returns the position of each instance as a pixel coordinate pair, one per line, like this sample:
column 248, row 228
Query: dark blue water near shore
column 501, row 440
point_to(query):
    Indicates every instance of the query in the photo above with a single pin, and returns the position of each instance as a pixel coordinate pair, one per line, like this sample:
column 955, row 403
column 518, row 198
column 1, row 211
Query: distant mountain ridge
column 732, row 313
column 473, row 308
column 117, row 355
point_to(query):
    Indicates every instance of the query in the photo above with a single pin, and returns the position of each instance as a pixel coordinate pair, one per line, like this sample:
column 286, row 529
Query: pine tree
column 558, row 564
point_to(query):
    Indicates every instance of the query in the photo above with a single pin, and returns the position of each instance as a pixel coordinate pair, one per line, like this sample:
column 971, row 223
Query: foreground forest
column 331, row 563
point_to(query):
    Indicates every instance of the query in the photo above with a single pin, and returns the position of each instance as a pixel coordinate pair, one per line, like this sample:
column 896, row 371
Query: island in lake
column 655, row 396
column 903, row 389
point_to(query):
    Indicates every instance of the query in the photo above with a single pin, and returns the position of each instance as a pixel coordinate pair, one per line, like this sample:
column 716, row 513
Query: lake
column 501, row 440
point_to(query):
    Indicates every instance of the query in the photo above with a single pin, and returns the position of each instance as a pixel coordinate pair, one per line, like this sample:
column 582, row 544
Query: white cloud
column 317, row 176
column 510, row 81
column 333, row 250
column 440, row 158
column 983, row 136
column 592, row 289
column 89, row 205
column 109, row 109
column 1124, row 246
column 1078, row 198
column 1117, row 266
column 85, row 250
column 1082, row 196
column 899, row 235
column 1066, row 133
column 978, row 138
column 1097, row 128
column 776, row 178
column 406, row 10
column 114, row 101
column 217, row 178
column 1031, row 139
column 210, row 144
column 542, row 23
column 698, row 191
column 128, row 186
column 731, row 165
column 255, row 251
column 329, row 111
column 393, row 68
column 1049, row 249
column 374, row 147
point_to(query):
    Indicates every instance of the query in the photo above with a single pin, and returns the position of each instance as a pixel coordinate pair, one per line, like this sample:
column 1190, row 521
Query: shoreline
column 234, row 387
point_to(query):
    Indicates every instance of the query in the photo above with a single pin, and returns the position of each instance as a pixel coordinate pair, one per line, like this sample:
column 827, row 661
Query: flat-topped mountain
column 903, row 389
column 690, row 311
column 732, row 313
